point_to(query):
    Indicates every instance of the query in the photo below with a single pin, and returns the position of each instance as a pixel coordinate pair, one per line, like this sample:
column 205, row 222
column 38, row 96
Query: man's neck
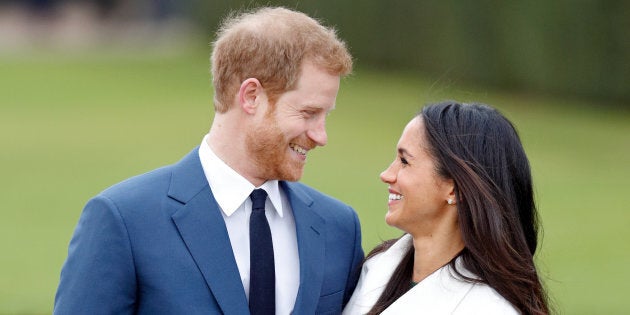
column 227, row 140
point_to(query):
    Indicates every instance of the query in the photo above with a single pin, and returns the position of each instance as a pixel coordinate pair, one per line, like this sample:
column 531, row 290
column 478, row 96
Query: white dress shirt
column 231, row 191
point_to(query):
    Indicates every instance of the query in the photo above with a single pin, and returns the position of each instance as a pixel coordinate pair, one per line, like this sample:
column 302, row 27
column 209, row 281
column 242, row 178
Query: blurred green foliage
column 71, row 125
column 560, row 47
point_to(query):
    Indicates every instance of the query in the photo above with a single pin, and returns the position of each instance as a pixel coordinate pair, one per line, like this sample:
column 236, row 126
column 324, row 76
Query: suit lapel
column 202, row 228
column 311, row 244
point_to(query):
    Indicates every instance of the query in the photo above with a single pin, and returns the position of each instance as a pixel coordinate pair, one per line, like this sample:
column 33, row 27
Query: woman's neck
column 433, row 251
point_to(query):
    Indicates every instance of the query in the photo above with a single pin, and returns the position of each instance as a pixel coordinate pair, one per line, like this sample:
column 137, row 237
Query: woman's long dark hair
column 480, row 150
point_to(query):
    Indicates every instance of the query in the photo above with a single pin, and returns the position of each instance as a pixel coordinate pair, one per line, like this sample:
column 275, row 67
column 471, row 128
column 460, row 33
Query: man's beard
column 269, row 150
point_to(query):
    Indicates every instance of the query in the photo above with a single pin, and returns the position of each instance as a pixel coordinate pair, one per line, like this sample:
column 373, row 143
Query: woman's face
column 417, row 194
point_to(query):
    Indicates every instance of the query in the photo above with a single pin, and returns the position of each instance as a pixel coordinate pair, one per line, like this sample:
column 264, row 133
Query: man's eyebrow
column 317, row 108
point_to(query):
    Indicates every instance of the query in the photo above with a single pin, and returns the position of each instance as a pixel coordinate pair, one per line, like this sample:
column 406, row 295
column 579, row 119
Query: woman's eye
column 404, row 161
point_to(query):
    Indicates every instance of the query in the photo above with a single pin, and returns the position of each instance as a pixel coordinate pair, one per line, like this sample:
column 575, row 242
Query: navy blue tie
column 262, row 283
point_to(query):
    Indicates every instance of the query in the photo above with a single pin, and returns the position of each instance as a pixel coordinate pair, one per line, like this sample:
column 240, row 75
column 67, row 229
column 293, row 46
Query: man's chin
column 292, row 178
column 293, row 175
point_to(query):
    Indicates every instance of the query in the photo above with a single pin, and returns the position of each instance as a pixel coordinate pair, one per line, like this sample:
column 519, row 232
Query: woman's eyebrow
column 403, row 151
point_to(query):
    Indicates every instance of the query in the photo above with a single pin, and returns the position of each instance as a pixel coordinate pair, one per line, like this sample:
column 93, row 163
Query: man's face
column 279, row 143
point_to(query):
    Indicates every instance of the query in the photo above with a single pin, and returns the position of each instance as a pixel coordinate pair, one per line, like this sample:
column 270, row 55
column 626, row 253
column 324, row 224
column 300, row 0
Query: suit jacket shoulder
column 181, row 181
column 155, row 244
column 326, row 206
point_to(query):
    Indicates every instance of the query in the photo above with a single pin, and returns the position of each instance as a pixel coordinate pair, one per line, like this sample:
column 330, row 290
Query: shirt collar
column 229, row 188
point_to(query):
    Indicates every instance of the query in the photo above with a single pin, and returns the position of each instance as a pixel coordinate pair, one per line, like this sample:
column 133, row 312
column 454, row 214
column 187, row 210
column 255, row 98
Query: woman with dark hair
column 461, row 190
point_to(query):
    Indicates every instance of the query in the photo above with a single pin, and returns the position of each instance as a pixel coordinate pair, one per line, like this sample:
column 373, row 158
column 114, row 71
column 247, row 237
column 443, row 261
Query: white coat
column 442, row 292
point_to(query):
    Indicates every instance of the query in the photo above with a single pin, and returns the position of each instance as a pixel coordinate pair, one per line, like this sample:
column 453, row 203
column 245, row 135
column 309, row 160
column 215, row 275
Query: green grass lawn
column 71, row 125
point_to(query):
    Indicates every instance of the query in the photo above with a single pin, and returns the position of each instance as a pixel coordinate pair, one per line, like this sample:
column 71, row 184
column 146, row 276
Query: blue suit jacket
column 157, row 244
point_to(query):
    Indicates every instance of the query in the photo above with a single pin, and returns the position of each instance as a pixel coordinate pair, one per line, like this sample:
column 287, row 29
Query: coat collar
column 202, row 228
column 439, row 293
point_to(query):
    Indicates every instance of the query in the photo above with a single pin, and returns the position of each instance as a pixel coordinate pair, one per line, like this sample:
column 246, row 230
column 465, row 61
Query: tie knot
column 258, row 197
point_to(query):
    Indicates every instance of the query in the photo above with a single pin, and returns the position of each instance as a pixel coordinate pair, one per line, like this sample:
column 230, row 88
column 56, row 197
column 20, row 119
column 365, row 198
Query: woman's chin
column 390, row 219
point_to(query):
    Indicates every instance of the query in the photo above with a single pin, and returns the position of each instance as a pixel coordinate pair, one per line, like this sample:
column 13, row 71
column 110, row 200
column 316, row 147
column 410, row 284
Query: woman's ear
column 249, row 95
column 451, row 197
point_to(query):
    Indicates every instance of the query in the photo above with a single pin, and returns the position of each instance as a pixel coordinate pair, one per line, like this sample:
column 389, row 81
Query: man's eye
column 308, row 114
column 403, row 161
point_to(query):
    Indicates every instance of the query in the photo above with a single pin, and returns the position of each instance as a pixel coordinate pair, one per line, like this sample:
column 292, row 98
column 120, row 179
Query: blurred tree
column 570, row 47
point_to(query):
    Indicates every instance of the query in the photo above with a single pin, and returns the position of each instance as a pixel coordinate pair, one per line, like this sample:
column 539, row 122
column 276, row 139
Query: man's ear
column 249, row 95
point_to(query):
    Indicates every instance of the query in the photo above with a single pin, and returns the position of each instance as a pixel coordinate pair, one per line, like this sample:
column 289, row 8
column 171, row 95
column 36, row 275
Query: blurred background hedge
column 556, row 47
column 580, row 48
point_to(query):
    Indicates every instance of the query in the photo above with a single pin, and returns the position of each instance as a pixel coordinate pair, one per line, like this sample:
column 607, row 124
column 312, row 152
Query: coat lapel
column 439, row 293
column 310, row 229
column 375, row 275
column 202, row 228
